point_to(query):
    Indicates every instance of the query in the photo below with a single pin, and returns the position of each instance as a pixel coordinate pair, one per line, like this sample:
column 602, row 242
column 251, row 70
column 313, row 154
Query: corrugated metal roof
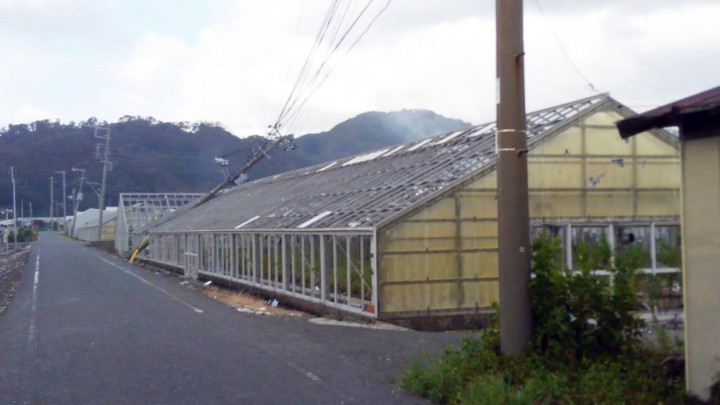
column 365, row 190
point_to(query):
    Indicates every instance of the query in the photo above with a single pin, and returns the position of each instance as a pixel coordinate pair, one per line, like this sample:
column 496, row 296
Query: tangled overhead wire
column 333, row 41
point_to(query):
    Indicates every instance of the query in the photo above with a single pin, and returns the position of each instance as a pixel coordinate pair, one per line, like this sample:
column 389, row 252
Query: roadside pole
column 512, row 181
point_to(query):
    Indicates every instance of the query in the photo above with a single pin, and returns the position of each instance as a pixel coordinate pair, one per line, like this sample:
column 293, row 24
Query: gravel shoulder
column 11, row 267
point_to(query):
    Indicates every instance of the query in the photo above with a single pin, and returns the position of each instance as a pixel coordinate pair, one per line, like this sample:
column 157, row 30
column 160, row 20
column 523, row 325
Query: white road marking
column 33, row 308
column 312, row 377
column 198, row 310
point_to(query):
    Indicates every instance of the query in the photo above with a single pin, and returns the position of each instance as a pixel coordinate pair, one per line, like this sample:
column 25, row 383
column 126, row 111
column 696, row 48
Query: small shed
column 698, row 118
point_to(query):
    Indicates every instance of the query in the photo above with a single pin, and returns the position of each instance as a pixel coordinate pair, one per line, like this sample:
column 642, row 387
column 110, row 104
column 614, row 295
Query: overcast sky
column 235, row 61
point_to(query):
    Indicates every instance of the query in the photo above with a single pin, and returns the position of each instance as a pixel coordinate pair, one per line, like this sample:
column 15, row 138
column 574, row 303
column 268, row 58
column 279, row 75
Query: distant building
column 409, row 233
column 698, row 118
column 87, row 224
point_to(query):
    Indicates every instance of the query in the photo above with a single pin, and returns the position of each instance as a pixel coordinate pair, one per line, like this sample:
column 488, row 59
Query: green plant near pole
column 585, row 347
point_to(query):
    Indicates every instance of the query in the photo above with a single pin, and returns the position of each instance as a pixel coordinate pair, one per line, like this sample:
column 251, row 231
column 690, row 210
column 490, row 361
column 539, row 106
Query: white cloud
column 237, row 63
column 155, row 63
column 25, row 113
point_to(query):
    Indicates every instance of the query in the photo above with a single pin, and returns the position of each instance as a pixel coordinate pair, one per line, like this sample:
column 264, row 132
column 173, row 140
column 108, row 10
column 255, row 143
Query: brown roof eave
column 635, row 125
column 672, row 114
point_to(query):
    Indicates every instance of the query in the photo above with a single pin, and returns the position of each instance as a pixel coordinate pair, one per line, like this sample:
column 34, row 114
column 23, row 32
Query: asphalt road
column 88, row 328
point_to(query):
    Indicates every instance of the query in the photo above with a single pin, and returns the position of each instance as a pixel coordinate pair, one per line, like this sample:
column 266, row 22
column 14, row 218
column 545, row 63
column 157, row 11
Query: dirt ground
column 11, row 266
column 248, row 304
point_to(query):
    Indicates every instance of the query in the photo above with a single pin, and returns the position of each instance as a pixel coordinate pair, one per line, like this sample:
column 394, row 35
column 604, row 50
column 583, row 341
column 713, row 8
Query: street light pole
column 512, row 181
column 52, row 218
column 64, row 201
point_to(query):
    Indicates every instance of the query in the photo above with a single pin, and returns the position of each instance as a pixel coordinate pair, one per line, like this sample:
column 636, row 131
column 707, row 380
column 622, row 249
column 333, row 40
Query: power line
column 330, row 71
column 564, row 50
column 164, row 169
column 154, row 156
column 332, row 49
column 304, row 86
column 303, row 71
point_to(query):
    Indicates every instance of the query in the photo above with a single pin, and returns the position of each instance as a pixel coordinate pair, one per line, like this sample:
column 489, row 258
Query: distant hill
column 365, row 132
column 153, row 156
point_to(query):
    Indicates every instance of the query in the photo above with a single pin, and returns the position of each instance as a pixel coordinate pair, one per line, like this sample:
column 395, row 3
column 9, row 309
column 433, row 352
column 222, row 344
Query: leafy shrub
column 578, row 314
column 24, row 235
column 585, row 347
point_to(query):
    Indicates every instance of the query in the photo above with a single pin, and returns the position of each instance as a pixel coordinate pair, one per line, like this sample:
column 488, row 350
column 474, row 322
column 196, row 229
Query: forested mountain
column 152, row 156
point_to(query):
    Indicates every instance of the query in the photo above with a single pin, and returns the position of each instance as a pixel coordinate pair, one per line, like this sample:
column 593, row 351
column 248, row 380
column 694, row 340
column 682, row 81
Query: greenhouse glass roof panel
column 364, row 190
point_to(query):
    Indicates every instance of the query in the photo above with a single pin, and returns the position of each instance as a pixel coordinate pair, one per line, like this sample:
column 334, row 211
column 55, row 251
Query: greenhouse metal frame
column 424, row 215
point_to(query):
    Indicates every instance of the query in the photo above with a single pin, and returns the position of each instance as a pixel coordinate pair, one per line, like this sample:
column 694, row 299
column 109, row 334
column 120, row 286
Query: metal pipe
column 348, row 263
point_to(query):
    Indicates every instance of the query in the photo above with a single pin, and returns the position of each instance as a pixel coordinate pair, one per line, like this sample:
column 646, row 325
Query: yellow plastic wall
column 443, row 258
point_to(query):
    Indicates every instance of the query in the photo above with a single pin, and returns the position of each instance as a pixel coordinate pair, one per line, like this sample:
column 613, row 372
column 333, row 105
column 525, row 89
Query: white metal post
column 323, row 270
column 568, row 247
column 373, row 263
column 653, row 249
column 283, row 241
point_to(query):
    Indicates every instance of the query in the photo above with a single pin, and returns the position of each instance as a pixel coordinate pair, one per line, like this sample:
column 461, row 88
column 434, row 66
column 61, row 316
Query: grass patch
column 477, row 373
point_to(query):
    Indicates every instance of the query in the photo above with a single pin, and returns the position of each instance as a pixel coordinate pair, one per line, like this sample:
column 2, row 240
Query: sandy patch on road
column 248, row 304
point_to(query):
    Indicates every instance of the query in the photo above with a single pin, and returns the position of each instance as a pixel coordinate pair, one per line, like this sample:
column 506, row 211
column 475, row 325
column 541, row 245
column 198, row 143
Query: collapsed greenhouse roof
column 140, row 209
column 370, row 189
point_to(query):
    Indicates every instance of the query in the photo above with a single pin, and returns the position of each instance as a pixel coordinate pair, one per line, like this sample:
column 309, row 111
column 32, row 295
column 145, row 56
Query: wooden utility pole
column 15, row 227
column 512, row 181
column 106, row 162
column 76, row 199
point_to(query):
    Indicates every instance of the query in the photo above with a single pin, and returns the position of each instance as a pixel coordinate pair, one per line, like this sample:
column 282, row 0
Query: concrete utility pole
column 52, row 218
column 106, row 162
column 64, row 204
column 31, row 216
column 15, row 229
column 512, row 181
column 76, row 200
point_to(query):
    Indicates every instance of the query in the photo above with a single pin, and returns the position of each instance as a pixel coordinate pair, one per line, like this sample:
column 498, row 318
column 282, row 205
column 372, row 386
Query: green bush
column 585, row 347
column 478, row 374
column 578, row 314
column 24, row 235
